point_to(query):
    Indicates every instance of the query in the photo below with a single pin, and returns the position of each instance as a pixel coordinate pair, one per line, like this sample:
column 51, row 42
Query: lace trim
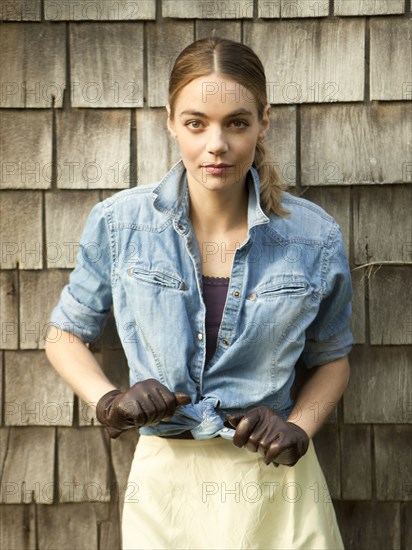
column 215, row 280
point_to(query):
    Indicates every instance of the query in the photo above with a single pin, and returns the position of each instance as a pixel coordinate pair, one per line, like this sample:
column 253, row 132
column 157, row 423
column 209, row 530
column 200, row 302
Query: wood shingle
column 214, row 9
column 8, row 309
column 18, row 527
column 26, row 149
column 280, row 142
column 80, row 521
column 356, row 462
column 380, row 385
column 349, row 144
column 66, row 215
column 229, row 29
column 32, row 57
column 99, row 10
column 382, row 227
column 390, row 290
column 368, row 7
column 39, row 293
column 328, row 59
column 83, row 456
column 35, row 395
column 288, row 9
column 27, row 473
column 391, row 59
column 363, row 522
column 151, row 128
column 20, row 10
column 393, row 453
column 164, row 42
column 359, row 284
column 106, row 64
column 21, row 230
column 1, row 389
column 93, row 149
column 325, row 440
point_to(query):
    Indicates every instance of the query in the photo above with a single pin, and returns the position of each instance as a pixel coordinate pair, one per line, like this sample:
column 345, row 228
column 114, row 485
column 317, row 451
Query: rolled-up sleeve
column 329, row 336
column 86, row 300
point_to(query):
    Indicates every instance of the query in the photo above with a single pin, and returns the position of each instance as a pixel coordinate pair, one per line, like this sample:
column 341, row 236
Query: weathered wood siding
column 83, row 88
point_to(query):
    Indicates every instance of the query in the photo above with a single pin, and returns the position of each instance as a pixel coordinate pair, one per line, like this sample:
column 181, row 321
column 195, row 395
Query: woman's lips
column 217, row 169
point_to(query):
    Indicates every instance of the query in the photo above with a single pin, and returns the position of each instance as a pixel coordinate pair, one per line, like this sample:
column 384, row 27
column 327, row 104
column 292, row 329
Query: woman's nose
column 216, row 143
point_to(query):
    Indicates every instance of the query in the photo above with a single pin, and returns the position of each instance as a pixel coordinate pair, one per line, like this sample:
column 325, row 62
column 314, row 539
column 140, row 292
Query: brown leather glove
column 261, row 430
column 144, row 404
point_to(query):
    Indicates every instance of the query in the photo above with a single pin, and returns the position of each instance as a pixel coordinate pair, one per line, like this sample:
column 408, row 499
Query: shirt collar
column 171, row 195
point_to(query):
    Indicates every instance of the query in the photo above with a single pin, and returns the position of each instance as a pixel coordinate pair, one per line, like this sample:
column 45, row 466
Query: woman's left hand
column 261, row 430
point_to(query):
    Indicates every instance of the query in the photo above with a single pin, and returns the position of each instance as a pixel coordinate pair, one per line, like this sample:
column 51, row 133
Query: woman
column 220, row 281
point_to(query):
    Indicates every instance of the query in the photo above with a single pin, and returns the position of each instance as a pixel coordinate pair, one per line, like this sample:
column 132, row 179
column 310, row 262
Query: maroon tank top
column 214, row 297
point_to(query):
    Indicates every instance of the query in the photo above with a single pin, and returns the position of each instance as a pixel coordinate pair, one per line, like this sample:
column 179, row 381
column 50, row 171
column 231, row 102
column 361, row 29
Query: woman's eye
column 194, row 124
column 239, row 123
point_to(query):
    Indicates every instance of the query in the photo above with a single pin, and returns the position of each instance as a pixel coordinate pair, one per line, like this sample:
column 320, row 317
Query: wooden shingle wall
column 83, row 88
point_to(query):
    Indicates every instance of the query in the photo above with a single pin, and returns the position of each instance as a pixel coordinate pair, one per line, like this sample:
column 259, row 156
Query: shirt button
column 236, row 293
column 226, row 342
column 225, row 429
column 199, row 336
column 181, row 227
column 130, row 271
column 252, row 296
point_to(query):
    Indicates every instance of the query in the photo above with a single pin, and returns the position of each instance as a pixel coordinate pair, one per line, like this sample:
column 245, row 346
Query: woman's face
column 217, row 127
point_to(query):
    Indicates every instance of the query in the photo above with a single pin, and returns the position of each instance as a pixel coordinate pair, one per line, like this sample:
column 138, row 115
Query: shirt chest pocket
column 282, row 286
column 157, row 278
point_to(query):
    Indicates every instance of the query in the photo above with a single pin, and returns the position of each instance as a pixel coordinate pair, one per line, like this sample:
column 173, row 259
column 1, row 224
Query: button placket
column 192, row 250
column 233, row 310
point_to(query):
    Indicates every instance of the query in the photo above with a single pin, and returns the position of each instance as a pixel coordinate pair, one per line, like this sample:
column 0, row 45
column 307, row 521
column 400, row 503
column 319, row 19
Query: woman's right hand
column 144, row 404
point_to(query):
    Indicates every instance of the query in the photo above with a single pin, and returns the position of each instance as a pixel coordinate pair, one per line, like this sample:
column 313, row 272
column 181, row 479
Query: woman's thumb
column 182, row 398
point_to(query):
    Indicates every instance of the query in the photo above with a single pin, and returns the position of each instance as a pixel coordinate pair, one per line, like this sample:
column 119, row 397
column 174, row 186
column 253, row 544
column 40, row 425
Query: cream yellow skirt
column 191, row 494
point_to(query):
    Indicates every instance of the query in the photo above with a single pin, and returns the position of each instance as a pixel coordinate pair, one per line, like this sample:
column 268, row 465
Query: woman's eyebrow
column 238, row 112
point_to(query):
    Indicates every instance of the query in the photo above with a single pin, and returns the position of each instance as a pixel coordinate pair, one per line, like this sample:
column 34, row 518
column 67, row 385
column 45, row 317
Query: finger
column 148, row 411
column 274, row 448
column 244, row 429
column 234, row 420
column 258, row 441
column 164, row 403
column 286, row 455
column 129, row 408
column 182, row 398
column 252, row 444
column 267, row 439
column 168, row 407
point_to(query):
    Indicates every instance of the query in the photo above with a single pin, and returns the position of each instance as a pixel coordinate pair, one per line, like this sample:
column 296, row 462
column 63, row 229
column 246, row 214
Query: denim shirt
column 289, row 297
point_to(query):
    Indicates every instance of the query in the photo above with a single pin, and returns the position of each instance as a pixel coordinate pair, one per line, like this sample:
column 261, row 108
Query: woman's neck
column 216, row 213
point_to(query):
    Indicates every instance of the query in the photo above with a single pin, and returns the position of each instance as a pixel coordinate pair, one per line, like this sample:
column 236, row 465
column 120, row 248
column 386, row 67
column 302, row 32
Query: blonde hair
column 238, row 62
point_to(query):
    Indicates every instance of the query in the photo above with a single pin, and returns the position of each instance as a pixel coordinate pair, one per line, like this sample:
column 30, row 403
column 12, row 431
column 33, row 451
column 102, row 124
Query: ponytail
column 271, row 186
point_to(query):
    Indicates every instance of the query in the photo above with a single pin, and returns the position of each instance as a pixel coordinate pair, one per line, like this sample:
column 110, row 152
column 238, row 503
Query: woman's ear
column 265, row 122
column 170, row 122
